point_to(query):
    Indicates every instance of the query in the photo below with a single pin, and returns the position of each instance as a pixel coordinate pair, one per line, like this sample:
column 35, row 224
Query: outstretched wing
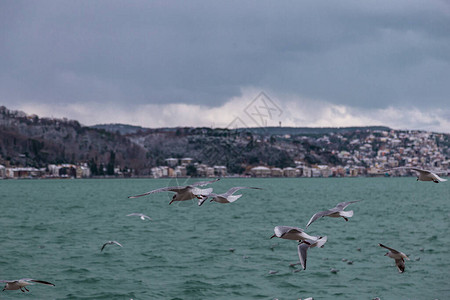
column 117, row 243
column 320, row 215
column 103, row 247
column 203, row 183
column 282, row 230
column 435, row 176
column 392, row 250
column 201, row 192
column 343, row 205
column 175, row 189
column 302, row 250
column 420, row 170
column 37, row 281
column 400, row 263
column 237, row 188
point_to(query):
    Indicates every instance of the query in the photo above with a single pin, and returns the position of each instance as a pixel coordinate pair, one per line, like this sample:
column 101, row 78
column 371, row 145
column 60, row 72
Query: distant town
column 393, row 149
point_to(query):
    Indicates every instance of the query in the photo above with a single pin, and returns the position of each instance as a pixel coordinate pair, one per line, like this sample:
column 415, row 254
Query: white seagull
column 397, row 256
column 305, row 245
column 424, row 175
column 292, row 233
column 227, row 197
column 183, row 193
column 22, row 283
column 142, row 216
column 335, row 212
column 110, row 243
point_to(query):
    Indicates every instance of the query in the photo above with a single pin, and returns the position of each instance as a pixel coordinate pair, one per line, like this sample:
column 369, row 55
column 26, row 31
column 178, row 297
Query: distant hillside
column 27, row 140
column 131, row 129
column 120, row 128
column 311, row 130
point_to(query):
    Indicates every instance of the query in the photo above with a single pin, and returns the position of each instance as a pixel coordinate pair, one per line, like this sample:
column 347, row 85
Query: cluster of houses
column 179, row 168
column 51, row 171
column 368, row 155
column 301, row 170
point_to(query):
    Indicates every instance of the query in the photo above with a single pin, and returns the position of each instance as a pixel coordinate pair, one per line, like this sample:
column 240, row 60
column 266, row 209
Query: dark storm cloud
column 357, row 53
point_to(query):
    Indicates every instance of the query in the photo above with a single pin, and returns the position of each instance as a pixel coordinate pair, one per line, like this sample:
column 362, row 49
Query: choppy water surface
column 53, row 230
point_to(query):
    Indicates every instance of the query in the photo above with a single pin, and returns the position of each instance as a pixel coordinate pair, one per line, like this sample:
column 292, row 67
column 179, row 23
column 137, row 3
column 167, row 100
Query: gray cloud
column 367, row 55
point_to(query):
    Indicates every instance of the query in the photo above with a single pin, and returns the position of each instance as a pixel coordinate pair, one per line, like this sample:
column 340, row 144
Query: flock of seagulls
column 305, row 241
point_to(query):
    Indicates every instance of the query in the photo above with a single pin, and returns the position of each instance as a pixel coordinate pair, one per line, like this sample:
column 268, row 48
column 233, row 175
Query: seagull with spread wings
column 21, row 284
column 397, row 256
column 110, row 243
column 335, row 212
column 183, row 193
column 142, row 216
column 227, row 197
column 305, row 245
column 423, row 175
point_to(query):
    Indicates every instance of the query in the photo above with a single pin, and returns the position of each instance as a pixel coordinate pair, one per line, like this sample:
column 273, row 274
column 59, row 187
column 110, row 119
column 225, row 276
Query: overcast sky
column 205, row 63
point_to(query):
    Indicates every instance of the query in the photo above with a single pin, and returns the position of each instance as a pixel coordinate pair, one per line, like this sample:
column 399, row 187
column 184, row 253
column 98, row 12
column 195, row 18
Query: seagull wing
column 320, row 215
column 343, row 205
column 302, row 250
column 233, row 198
column 37, row 281
column 117, row 243
column 103, row 247
column 392, row 250
column 203, row 183
column 282, row 230
column 133, row 214
column 237, row 188
column 420, row 170
column 435, row 176
column 201, row 192
column 175, row 189
column 400, row 263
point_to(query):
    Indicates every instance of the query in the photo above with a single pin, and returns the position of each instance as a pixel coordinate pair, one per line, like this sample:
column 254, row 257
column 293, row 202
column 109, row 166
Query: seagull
column 292, row 233
column 227, row 197
column 110, row 243
column 22, row 283
column 305, row 245
column 183, row 193
column 398, row 256
column 335, row 212
column 142, row 216
column 424, row 175
column 334, row 271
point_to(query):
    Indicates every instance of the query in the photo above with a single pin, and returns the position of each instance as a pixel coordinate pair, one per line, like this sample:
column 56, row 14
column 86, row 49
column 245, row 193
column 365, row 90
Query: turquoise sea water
column 53, row 230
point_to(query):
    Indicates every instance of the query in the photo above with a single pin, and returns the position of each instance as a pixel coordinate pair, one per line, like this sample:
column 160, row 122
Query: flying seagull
column 397, row 256
column 183, row 193
column 142, row 216
column 227, row 197
column 305, row 245
column 292, row 233
column 424, row 175
column 335, row 212
column 110, row 243
column 22, row 283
